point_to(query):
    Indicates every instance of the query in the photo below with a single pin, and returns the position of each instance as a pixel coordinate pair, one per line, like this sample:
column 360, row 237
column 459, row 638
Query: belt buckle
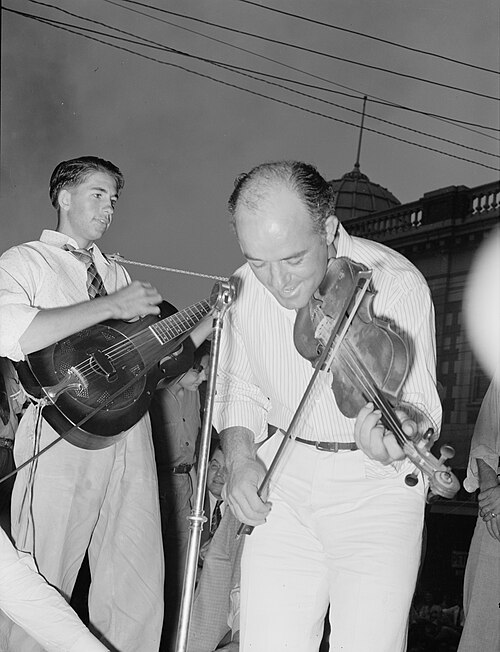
column 330, row 447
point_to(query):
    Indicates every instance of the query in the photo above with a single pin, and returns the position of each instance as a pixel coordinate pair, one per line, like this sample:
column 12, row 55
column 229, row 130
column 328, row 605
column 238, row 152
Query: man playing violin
column 339, row 527
column 71, row 500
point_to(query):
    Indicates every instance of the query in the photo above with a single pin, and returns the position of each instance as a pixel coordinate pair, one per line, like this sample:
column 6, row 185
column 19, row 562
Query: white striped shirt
column 262, row 377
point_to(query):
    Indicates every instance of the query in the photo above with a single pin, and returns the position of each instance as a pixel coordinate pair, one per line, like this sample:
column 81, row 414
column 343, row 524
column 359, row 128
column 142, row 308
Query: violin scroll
column 442, row 481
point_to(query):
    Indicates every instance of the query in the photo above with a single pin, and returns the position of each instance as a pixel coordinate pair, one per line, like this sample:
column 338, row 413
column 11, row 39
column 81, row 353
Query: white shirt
column 37, row 607
column 40, row 275
column 262, row 377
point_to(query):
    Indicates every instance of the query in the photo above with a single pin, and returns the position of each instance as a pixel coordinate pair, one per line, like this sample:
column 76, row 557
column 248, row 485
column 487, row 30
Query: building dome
column 358, row 196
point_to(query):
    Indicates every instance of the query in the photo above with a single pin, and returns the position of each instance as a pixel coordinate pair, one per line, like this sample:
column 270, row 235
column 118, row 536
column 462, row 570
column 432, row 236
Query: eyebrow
column 115, row 196
column 296, row 255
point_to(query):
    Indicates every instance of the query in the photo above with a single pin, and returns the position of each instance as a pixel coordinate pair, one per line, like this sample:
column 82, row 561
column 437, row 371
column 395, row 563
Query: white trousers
column 340, row 533
column 106, row 500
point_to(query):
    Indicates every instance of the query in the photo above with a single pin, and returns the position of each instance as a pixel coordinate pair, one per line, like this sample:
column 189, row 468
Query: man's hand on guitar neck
column 51, row 325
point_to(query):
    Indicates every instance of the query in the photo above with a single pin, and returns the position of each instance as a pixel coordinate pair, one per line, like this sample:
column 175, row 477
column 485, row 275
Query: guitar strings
column 115, row 351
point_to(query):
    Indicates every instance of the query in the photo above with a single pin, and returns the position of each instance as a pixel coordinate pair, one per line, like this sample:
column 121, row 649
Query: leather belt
column 181, row 468
column 329, row 446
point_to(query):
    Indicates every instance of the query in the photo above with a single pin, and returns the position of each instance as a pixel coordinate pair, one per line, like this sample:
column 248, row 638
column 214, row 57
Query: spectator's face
column 193, row 378
column 216, row 474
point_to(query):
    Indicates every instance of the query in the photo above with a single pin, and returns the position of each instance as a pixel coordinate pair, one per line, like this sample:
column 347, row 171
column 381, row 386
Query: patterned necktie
column 216, row 518
column 95, row 285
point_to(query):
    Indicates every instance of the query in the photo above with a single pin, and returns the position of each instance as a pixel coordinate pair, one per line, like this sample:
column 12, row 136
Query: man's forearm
column 238, row 445
column 54, row 324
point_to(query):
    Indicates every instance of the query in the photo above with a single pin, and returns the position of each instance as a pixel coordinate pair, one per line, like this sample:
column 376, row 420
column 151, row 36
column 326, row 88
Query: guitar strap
column 27, row 499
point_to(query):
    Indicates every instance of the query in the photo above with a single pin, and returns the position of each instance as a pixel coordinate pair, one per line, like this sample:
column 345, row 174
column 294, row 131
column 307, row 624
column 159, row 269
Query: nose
column 108, row 207
column 278, row 277
column 221, row 472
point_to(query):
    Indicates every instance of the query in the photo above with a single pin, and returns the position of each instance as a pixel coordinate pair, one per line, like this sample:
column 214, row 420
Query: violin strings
column 371, row 391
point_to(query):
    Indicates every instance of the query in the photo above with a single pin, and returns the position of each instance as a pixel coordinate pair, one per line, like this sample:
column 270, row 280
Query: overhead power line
column 251, row 74
column 248, row 73
column 316, row 52
column 370, row 36
column 467, row 125
column 64, row 27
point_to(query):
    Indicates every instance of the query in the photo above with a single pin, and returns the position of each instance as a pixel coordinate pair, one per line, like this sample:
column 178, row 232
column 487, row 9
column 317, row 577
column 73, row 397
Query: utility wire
column 465, row 125
column 359, row 94
column 369, row 36
column 63, row 26
column 247, row 73
column 368, row 115
column 317, row 52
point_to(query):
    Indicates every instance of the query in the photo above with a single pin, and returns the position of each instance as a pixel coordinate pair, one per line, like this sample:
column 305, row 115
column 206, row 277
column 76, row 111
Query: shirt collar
column 344, row 244
column 60, row 240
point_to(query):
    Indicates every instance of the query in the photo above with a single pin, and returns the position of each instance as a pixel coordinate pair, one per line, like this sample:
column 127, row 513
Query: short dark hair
column 76, row 170
column 200, row 353
column 303, row 178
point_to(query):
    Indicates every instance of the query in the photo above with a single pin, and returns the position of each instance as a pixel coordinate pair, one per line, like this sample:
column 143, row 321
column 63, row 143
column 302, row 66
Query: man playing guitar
column 70, row 499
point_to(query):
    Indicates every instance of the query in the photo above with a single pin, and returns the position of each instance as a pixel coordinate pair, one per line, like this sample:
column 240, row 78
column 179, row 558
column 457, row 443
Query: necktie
column 95, row 285
column 216, row 517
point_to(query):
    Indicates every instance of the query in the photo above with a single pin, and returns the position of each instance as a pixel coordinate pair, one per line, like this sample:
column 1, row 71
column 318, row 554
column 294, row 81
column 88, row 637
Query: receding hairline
column 303, row 180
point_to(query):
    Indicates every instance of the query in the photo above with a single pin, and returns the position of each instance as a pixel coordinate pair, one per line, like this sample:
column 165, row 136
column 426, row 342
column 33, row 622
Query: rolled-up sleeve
column 16, row 311
column 238, row 400
column 485, row 442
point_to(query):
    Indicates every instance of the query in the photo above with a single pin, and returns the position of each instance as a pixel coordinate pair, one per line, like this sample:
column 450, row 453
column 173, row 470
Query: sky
column 181, row 138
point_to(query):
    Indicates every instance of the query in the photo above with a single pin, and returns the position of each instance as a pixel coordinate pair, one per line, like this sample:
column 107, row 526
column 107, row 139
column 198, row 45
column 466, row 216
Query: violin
column 369, row 361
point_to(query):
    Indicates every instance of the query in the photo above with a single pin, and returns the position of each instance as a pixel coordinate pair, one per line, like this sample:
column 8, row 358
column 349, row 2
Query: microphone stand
column 197, row 518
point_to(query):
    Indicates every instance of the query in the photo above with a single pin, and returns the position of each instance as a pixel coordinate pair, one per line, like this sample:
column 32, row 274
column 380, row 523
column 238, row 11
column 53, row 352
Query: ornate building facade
column 440, row 233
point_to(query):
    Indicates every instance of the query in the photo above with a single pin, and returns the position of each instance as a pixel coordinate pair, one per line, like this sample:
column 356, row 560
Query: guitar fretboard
column 171, row 327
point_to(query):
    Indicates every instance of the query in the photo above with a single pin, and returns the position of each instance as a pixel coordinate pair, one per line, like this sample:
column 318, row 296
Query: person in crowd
column 339, row 527
column 40, row 610
column 482, row 573
column 72, row 499
column 176, row 421
column 12, row 400
column 214, row 622
column 214, row 507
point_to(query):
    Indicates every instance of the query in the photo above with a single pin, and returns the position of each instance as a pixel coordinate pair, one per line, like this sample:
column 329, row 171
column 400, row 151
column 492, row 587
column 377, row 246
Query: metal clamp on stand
column 226, row 292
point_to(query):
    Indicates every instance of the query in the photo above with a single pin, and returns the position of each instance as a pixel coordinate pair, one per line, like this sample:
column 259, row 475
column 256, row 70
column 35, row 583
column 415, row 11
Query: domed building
column 358, row 196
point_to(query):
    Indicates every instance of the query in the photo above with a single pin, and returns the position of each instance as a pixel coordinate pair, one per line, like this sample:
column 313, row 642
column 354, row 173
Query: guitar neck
column 171, row 327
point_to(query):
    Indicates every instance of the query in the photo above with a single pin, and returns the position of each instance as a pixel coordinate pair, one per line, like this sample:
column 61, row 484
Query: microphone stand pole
column 197, row 518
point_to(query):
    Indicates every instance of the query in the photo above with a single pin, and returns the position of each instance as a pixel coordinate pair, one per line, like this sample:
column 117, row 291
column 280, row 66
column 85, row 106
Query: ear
column 331, row 227
column 64, row 199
